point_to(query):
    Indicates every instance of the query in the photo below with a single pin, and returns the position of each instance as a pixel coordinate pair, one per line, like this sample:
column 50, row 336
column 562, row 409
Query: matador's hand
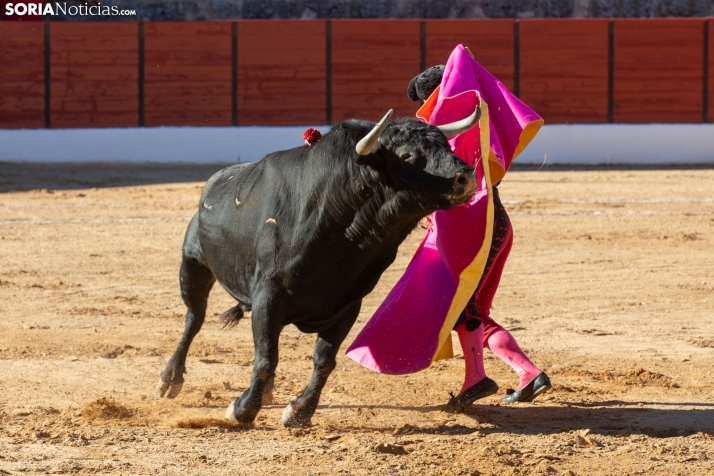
column 426, row 222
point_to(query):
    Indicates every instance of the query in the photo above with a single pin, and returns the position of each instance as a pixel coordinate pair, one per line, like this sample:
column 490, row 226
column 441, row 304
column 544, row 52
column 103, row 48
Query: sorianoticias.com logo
column 61, row 8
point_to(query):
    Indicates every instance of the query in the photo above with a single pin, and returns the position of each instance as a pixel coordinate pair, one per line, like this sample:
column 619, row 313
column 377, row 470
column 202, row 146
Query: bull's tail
column 231, row 317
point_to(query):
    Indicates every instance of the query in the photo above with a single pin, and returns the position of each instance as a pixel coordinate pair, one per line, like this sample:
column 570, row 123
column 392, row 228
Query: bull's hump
column 247, row 182
column 226, row 184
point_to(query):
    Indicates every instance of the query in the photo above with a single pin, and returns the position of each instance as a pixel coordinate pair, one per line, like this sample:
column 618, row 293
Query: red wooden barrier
column 564, row 69
column 188, row 71
column 22, row 75
column 658, row 70
column 491, row 42
column 282, row 75
column 281, row 72
column 372, row 64
column 95, row 72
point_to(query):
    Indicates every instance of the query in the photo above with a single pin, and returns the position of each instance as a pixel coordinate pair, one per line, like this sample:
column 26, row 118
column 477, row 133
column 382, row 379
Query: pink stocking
column 505, row 347
column 472, row 345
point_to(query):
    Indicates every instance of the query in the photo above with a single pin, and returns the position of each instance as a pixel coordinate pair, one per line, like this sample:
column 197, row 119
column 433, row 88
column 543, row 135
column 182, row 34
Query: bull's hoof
column 231, row 412
column 294, row 416
column 237, row 418
column 168, row 390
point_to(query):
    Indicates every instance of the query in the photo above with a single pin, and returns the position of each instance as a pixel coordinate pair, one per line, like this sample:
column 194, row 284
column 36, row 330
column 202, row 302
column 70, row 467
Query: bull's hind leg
column 196, row 283
column 299, row 412
column 231, row 318
column 267, row 325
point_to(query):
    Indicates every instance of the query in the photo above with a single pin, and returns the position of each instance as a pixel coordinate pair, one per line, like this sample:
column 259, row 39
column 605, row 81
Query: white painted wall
column 149, row 144
column 562, row 144
column 622, row 144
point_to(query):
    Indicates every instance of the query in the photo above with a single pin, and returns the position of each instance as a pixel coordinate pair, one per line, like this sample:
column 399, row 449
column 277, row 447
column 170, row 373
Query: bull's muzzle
column 465, row 184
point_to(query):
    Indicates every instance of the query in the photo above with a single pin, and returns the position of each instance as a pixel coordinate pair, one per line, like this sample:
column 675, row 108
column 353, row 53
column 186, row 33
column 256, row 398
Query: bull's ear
column 375, row 164
column 373, row 160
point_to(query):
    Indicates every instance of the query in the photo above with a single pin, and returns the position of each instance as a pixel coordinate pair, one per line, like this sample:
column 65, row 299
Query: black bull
column 301, row 236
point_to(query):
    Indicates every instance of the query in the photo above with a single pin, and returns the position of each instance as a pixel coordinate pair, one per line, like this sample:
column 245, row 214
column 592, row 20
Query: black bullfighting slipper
column 540, row 384
column 459, row 403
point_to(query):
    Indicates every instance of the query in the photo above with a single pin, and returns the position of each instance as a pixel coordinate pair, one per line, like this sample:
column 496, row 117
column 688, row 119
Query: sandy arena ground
column 609, row 288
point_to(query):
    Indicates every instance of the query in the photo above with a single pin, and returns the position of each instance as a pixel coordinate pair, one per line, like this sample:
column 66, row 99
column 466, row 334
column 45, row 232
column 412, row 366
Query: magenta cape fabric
column 416, row 318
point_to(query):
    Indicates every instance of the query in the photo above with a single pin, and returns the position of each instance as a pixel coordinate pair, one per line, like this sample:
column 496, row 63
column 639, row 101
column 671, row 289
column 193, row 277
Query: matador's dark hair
column 425, row 83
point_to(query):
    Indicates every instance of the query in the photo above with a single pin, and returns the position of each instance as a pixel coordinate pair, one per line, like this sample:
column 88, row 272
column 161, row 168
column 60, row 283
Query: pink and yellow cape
column 412, row 327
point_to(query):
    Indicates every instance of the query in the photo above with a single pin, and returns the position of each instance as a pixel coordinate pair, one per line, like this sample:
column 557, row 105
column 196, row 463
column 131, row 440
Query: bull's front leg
column 299, row 412
column 267, row 325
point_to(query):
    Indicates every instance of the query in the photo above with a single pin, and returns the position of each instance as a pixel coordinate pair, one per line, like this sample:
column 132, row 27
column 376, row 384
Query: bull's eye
column 416, row 160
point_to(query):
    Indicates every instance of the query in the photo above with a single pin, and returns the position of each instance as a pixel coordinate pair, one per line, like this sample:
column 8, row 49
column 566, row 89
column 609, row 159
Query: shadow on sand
column 17, row 176
column 605, row 418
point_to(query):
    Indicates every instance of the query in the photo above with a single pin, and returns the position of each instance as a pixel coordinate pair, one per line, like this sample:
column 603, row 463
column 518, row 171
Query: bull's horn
column 364, row 147
column 458, row 127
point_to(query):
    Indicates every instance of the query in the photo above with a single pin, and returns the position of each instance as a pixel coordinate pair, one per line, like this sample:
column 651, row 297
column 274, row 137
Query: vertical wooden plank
column 94, row 74
column 564, row 69
column 372, row 64
column 658, row 70
column 710, row 61
column 422, row 46
column 328, row 72
column 610, row 72
column 517, row 59
column 48, row 76
column 142, row 69
column 22, row 75
column 188, row 69
column 281, row 72
column 491, row 42
column 234, row 73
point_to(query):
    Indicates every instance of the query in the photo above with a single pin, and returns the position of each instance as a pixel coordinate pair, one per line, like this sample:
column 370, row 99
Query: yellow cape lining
column 470, row 277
